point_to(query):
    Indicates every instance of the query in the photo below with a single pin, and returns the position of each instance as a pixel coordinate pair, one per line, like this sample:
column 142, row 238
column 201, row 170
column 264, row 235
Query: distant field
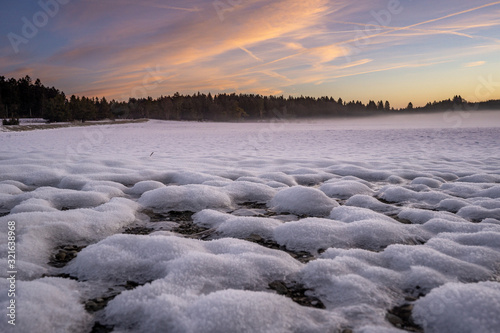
column 37, row 125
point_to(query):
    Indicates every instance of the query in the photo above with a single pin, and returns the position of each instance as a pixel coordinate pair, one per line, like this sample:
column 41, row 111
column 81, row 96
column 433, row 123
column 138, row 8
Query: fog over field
column 379, row 224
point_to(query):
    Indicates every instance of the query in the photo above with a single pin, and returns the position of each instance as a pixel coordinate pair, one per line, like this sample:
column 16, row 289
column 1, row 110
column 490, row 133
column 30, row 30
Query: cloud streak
column 104, row 48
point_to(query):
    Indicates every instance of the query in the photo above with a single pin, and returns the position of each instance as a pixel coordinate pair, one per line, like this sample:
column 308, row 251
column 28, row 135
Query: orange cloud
column 475, row 64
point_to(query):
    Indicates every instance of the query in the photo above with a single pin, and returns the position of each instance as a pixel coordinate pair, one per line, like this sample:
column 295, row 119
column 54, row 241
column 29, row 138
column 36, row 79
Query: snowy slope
column 371, row 225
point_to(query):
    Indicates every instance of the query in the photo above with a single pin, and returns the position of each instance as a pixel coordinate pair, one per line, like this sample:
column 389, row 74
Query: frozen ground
column 366, row 225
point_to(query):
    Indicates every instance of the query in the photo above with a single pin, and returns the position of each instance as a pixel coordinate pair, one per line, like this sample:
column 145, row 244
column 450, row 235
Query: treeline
column 460, row 104
column 23, row 98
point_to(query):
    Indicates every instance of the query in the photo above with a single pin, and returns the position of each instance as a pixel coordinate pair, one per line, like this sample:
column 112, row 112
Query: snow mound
column 437, row 226
column 221, row 311
column 243, row 191
column 340, row 283
column 224, row 263
column 61, row 198
column 187, row 177
column 351, row 214
column 452, row 205
column 430, row 182
column 344, row 189
column 477, row 213
column 492, row 192
column 480, row 178
column 464, row 189
column 369, row 202
column 185, row 198
column 228, row 225
column 10, row 189
column 402, row 258
column 301, row 200
column 314, row 234
column 144, row 186
column 33, row 205
column 460, row 308
column 360, row 172
column 420, row 216
column 401, row 194
column 39, row 232
column 45, row 305
column 279, row 177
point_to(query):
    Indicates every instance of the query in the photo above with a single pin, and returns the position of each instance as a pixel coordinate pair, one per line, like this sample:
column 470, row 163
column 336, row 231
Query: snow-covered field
column 358, row 225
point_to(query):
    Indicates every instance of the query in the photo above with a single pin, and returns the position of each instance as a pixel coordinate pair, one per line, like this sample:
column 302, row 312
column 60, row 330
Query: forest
column 22, row 98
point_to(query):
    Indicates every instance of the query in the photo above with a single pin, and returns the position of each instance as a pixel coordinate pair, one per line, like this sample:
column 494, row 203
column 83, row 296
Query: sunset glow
column 393, row 50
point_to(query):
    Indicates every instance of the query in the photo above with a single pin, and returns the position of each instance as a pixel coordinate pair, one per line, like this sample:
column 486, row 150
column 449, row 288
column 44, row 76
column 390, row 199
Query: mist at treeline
column 22, row 98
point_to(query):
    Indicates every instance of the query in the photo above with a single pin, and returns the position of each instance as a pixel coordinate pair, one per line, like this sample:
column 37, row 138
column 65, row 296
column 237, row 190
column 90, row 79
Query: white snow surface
column 187, row 227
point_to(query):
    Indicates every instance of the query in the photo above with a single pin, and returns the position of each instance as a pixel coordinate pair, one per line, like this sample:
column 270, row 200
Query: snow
column 54, row 302
column 185, row 198
column 301, row 200
column 221, row 311
column 314, row 234
column 460, row 308
column 344, row 189
column 242, row 191
column 190, row 262
column 369, row 202
column 360, row 218
column 352, row 214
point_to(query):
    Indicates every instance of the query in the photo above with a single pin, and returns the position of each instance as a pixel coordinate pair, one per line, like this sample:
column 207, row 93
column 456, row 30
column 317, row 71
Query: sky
column 397, row 50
